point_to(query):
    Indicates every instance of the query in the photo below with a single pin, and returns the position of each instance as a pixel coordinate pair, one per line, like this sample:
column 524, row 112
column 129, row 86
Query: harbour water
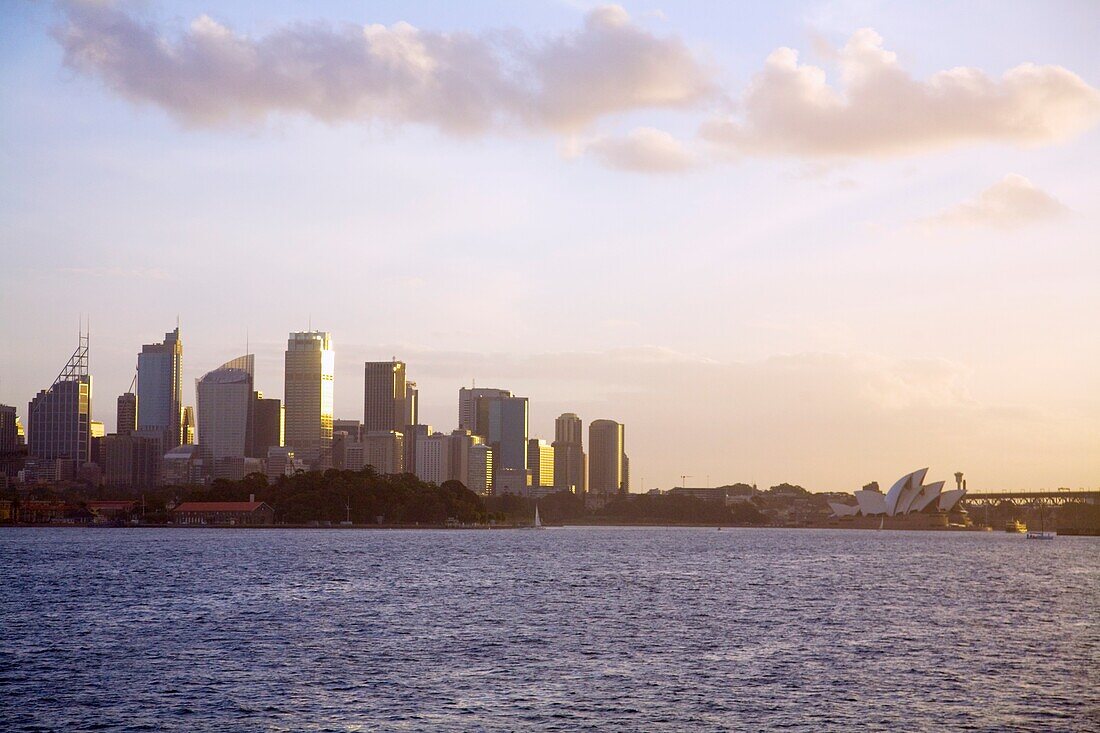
column 566, row 629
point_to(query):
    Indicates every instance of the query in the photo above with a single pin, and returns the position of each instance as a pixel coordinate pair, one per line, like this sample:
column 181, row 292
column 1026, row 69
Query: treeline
column 363, row 496
column 566, row 508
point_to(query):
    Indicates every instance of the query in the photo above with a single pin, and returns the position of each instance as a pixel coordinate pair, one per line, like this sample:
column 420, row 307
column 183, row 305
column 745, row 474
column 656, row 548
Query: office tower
column 189, row 426
column 160, row 389
column 131, row 461
column 626, row 474
column 473, row 408
column 412, row 405
column 339, row 444
column 540, row 461
column 384, row 450
column 8, row 439
column 355, row 457
column 384, row 392
column 569, row 458
column 461, row 445
column 281, row 461
column 95, row 429
column 606, row 442
column 353, row 428
column 267, row 425
column 310, row 366
column 182, row 466
column 479, row 479
column 433, row 458
column 59, row 418
column 225, row 402
column 508, row 432
column 412, row 435
column 126, row 414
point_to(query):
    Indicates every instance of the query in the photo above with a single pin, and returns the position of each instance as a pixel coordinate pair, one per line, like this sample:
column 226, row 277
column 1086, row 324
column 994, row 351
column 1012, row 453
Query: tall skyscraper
column 189, row 425
column 508, row 432
column 7, row 429
column 569, row 458
column 59, row 418
column 126, row 414
column 384, row 393
column 473, row 408
column 310, row 367
column 606, row 469
column 225, row 402
column 160, row 389
column 267, row 425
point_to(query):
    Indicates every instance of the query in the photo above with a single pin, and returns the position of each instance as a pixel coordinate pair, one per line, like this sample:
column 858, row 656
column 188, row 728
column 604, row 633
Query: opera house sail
column 909, row 502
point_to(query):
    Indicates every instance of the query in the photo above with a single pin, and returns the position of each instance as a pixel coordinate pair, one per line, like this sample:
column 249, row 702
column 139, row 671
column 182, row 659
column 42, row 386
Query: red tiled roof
column 219, row 506
column 110, row 503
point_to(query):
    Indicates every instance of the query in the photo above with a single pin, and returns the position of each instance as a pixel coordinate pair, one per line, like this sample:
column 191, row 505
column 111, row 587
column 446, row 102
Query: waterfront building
column 570, row 463
column 238, row 513
column 606, row 470
column 540, row 461
column 59, row 418
column 160, row 388
column 310, row 369
column 126, row 414
column 908, row 495
column 384, row 396
column 267, row 425
column 225, row 402
column 384, row 450
column 473, row 408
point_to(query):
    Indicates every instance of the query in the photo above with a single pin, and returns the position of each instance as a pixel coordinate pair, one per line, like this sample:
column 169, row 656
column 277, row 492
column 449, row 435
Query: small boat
column 538, row 522
column 1042, row 534
column 1015, row 526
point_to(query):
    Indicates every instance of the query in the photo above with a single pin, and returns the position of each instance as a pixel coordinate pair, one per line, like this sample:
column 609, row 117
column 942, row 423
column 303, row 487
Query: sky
column 816, row 242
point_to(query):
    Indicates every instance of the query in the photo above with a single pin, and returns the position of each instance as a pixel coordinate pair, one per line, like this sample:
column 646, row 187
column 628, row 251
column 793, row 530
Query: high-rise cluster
column 233, row 430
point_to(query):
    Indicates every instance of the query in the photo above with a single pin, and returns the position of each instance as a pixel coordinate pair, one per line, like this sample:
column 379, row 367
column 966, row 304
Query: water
column 566, row 629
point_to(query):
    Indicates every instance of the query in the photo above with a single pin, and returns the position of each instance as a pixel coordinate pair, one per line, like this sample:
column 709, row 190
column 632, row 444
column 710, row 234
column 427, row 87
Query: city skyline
column 761, row 308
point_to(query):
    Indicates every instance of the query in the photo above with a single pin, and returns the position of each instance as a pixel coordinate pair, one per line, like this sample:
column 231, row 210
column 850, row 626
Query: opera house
column 910, row 503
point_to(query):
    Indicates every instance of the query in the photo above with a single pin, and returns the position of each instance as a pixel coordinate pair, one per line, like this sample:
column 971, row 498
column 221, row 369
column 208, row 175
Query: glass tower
column 160, row 389
column 307, row 398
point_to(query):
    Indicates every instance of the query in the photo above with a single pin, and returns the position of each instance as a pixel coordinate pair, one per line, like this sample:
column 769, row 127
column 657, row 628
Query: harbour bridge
column 1058, row 497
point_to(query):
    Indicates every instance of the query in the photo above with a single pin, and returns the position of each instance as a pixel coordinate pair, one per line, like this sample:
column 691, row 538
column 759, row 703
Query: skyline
column 826, row 321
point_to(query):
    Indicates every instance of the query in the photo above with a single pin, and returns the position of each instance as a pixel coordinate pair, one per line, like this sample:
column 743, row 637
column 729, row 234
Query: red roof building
column 238, row 513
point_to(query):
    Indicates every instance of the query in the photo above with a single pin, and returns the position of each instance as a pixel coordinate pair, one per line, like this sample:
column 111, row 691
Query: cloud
column 1012, row 202
column 879, row 110
column 458, row 82
column 644, row 150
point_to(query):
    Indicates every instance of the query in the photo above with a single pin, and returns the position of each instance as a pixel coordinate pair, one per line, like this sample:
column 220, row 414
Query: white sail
column 538, row 522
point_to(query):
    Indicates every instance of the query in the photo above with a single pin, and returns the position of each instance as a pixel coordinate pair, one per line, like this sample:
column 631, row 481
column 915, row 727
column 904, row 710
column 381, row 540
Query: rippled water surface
column 565, row 629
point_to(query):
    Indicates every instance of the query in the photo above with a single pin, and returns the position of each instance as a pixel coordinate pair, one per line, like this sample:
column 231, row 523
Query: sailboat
column 1042, row 534
column 538, row 522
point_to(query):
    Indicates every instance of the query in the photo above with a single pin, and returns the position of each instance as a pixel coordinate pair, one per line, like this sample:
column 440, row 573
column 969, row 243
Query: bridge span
column 1058, row 497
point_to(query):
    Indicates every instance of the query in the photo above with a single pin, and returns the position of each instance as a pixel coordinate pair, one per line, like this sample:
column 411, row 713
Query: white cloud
column 644, row 150
column 458, row 82
column 1012, row 202
column 880, row 110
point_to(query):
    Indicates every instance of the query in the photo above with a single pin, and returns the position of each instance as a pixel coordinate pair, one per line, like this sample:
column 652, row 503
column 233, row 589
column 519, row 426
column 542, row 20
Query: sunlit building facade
column 308, row 384
column 59, row 418
column 540, row 461
column 606, row 469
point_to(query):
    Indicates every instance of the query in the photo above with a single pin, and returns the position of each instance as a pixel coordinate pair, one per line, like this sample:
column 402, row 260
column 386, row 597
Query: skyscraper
column 160, row 389
column 473, row 408
column 267, row 425
column 384, row 394
column 126, row 414
column 569, row 458
column 310, row 367
column 540, row 460
column 412, row 405
column 225, row 402
column 606, row 444
column 59, row 418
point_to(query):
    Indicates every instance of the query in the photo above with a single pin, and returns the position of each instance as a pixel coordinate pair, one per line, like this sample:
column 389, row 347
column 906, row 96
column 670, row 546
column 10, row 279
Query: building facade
column 126, row 414
column 540, row 461
column 60, row 418
column 310, row 371
column 384, row 450
column 225, row 403
column 160, row 388
column 384, row 396
column 606, row 469
column 570, row 463
column 473, row 408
